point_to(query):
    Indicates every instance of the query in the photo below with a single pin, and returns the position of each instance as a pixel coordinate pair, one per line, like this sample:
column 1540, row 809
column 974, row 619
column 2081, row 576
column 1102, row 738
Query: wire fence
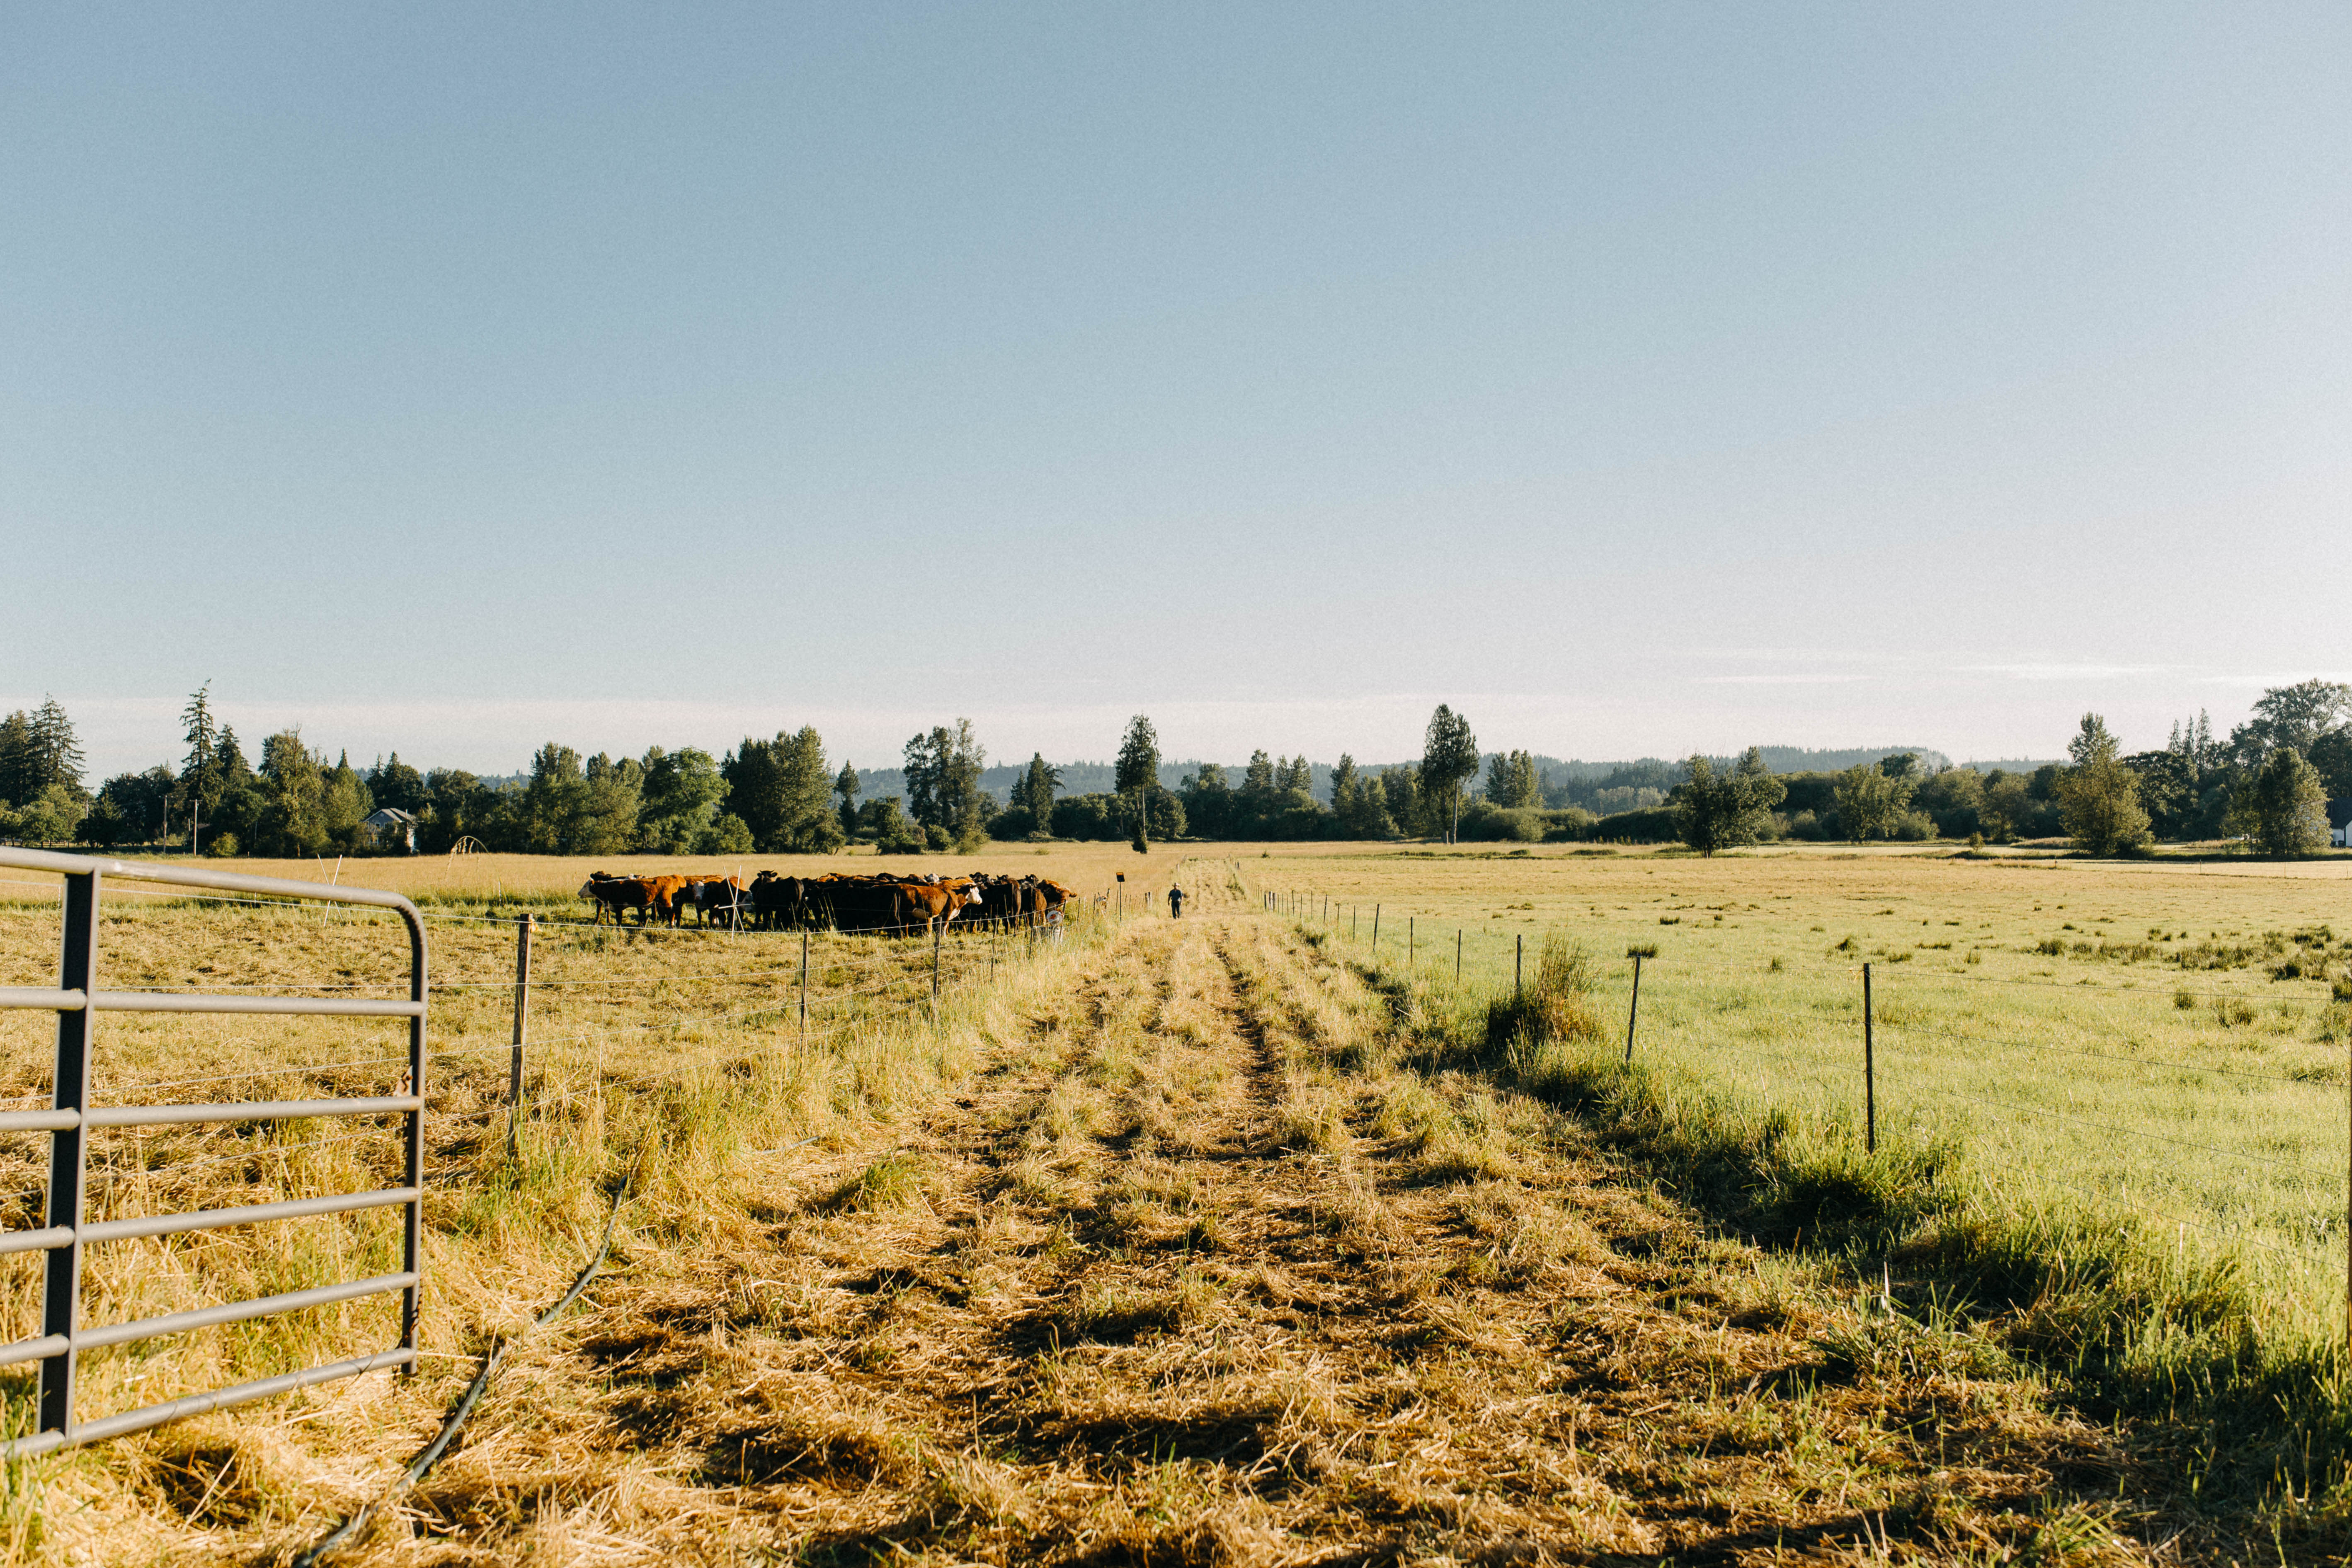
column 2163, row 1103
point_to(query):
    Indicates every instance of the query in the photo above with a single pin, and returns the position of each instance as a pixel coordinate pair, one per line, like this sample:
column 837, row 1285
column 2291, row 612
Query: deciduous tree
column 1869, row 803
column 1722, row 811
column 2099, row 798
column 2289, row 805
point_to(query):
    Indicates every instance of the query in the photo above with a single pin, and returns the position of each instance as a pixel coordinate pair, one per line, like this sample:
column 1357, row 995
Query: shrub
column 1484, row 822
column 1568, row 824
column 222, row 846
column 726, row 835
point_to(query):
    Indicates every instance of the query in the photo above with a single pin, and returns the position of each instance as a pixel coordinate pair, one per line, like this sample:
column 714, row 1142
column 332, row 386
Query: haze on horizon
column 1637, row 380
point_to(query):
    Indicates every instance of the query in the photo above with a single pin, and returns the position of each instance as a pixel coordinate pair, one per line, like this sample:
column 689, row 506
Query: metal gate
column 77, row 996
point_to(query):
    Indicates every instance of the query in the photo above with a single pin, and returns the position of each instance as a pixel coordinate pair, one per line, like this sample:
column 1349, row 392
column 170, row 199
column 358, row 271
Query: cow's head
column 588, row 888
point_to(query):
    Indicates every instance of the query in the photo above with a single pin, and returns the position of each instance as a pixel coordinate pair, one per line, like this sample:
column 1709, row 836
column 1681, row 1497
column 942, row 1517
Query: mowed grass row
column 2054, row 1039
column 659, row 1063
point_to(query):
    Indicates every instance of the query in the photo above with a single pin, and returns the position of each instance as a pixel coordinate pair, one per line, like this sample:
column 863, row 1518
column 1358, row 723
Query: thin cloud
column 2071, row 671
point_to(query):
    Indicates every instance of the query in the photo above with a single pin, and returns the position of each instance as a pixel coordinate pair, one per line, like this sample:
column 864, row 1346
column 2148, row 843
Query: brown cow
column 613, row 894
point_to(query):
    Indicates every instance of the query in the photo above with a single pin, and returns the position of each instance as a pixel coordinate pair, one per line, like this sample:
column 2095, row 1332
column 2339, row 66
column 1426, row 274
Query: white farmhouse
column 390, row 825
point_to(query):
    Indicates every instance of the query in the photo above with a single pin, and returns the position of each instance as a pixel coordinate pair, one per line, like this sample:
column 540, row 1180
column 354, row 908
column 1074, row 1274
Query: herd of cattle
column 770, row 903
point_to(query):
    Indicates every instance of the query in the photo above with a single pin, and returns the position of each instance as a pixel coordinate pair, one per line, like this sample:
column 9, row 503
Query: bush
column 728, row 835
column 1568, row 824
column 1650, row 824
column 936, row 837
column 1913, row 827
column 103, row 826
column 222, row 846
column 1013, row 824
column 1482, row 822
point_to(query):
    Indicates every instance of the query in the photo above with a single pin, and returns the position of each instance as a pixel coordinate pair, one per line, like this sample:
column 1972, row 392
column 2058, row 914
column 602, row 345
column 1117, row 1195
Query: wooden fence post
column 523, row 923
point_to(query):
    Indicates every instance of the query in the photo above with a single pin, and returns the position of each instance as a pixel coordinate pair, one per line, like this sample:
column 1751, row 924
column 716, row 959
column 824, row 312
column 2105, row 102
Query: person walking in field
column 1175, row 903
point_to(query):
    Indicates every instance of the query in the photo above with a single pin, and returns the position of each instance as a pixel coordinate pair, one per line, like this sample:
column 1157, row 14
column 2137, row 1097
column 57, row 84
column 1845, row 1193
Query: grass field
column 1155, row 1211
column 2164, row 1045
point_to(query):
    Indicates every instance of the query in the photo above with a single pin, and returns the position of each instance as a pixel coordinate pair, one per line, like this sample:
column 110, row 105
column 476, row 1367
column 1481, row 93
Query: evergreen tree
column 1449, row 760
column 1258, row 789
column 925, row 762
column 1138, row 772
column 344, row 803
column 611, row 810
column 201, row 784
column 2099, row 798
column 554, row 802
column 20, row 759
column 1343, row 787
column 1512, row 782
column 804, row 784
column 1036, row 791
column 396, row 785
column 57, row 754
column 846, row 785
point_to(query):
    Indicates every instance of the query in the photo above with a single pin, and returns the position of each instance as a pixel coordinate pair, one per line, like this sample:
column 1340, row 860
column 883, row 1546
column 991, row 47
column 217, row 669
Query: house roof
column 390, row 817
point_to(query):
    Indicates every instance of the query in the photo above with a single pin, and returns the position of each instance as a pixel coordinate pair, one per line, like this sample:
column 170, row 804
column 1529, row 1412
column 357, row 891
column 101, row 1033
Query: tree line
column 2266, row 785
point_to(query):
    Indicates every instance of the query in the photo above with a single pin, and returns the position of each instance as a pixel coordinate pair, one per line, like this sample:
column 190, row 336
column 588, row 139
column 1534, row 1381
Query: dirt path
column 1206, row 1273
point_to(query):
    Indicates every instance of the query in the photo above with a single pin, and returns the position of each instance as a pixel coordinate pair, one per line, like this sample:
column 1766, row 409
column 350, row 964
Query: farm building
column 2339, row 823
column 388, row 826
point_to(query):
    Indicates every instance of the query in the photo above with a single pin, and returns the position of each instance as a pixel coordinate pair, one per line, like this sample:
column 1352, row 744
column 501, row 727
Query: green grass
column 2144, row 1197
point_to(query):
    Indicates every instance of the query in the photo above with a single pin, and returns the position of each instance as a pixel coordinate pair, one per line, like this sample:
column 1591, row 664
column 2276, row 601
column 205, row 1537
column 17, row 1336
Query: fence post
column 1518, row 968
column 1869, row 1072
column 1633, row 1012
column 937, row 931
column 1458, row 958
column 523, row 923
column 1376, row 928
column 1408, row 941
column 804, row 988
column 61, row 1286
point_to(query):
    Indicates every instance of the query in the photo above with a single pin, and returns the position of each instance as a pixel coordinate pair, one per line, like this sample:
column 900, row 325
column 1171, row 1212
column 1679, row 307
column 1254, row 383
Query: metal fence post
column 1518, row 968
column 1869, row 1072
column 937, row 931
column 1408, row 941
column 411, row 1249
column 1633, row 1012
column 521, row 1022
column 68, row 1155
column 1458, row 958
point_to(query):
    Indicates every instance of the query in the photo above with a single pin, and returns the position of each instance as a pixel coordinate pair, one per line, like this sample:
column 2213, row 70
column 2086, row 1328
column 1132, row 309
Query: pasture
column 2157, row 1046
column 1085, row 1263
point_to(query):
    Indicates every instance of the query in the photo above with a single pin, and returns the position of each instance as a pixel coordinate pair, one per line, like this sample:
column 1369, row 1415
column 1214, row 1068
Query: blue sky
column 1638, row 379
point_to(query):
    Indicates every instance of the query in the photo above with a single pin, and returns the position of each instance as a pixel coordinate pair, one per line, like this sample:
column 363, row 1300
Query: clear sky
column 1638, row 378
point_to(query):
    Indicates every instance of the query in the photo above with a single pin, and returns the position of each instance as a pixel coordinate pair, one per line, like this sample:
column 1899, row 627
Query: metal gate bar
column 70, row 1117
